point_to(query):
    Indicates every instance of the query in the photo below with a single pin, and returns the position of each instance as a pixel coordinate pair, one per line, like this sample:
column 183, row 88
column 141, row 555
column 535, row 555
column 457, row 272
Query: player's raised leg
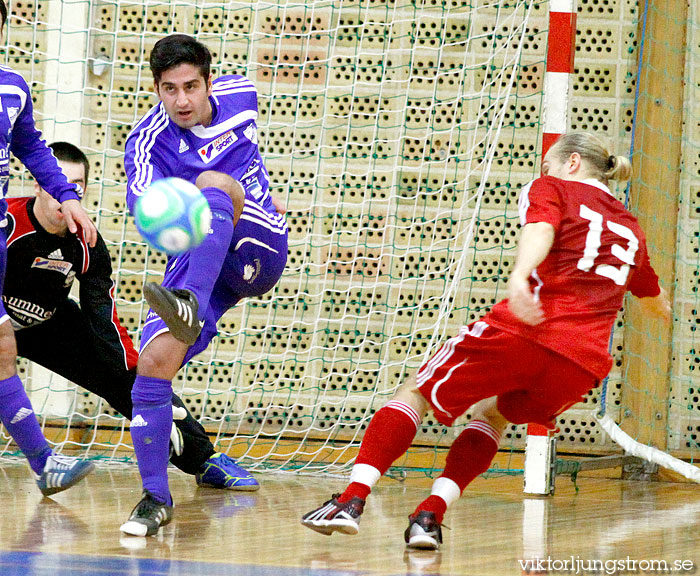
column 183, row 309
column 388, row 436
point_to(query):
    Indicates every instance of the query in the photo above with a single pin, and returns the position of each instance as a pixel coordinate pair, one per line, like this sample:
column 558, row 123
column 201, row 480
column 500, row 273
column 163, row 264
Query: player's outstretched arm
column 75, row 216
column 657, row 306
column 536, row 240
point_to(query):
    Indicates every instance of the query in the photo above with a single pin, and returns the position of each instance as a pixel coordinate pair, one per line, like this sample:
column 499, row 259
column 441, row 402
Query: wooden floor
column 218, row 532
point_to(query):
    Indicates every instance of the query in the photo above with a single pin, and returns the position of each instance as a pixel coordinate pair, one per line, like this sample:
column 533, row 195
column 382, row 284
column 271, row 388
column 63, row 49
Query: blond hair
column 599, row 161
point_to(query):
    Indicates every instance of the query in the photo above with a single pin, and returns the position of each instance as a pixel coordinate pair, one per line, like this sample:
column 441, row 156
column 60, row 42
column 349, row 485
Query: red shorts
column 533, row 384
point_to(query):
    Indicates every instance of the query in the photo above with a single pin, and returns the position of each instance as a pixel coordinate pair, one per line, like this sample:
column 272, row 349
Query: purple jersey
column 19, row 135
column 158, row 148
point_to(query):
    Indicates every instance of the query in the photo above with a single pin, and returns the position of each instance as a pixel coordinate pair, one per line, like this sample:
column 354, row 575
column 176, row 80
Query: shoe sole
column 56, row 489
column 133, row 528
column 327, row 528
column 164, row 308
column 423, row 543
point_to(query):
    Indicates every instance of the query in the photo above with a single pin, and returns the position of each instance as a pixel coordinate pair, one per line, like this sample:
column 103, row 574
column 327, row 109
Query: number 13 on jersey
column 593, row 243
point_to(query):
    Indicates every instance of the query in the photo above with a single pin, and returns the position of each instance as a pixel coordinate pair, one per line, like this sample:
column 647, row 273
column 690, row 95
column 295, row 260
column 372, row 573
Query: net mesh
column 684, row 405
column 399, row 134
column 662, row 409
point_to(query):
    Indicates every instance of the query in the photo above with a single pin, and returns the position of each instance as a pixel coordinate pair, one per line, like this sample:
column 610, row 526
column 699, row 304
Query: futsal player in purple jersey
column 204, row 131
column 19, row 135
column 83, row 342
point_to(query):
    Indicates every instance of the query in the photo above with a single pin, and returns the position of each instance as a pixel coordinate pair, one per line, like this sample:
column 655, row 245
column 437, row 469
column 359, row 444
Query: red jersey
column 41, row 268
column 599, row 252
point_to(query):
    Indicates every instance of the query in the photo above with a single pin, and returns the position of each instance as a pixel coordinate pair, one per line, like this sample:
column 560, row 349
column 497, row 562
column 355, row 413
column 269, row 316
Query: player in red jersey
column 579, row 251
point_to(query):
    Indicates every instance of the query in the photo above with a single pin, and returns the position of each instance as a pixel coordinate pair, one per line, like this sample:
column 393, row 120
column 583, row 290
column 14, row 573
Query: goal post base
column 540, row 459
column 633, row 468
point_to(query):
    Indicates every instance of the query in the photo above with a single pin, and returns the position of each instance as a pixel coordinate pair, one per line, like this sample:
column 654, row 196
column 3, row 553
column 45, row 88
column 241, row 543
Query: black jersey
column 41, row 269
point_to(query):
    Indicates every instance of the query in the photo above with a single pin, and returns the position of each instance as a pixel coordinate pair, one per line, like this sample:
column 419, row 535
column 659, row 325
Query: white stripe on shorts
column 249, row 240
column 427, row 371
column 434, row 389
column 158, row 333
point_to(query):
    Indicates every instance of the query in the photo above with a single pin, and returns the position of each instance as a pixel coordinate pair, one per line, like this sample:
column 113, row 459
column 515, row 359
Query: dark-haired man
column 84, row 343
column 203, row 131
column 19, row 136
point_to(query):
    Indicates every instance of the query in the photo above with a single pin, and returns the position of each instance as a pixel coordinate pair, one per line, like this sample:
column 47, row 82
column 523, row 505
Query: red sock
column 355, row 489
column 470, row 455
column 433, row 504
column 388, row 436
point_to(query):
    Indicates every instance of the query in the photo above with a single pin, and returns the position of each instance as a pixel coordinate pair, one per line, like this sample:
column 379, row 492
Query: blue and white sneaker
column 220, row 471
column 62, row 472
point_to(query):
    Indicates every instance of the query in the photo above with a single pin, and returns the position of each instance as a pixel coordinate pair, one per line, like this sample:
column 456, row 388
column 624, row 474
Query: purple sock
column 19, row 420
column 150, row 432
column 207, row 259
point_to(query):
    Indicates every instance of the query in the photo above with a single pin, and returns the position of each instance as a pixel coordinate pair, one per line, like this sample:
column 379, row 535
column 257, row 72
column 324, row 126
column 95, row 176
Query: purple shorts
column 255, row 261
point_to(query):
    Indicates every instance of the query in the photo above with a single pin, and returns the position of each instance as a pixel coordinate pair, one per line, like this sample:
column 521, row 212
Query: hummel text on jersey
column 138, row 421
column 27, row 313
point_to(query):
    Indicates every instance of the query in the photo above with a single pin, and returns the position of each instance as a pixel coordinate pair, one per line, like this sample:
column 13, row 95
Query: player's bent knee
column 8, row 344
column 487, row 411
column 157, row 366
column 214, row 179
column 162, row 357
column 237, row 195
column 408, row 393
column 8, row 351
column 234, row 189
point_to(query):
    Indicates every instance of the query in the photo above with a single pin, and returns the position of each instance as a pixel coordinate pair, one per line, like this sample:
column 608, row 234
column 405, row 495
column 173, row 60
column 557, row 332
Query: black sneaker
column 177, row 308
column 423, row 531
column 336, row 517
column 147, row 517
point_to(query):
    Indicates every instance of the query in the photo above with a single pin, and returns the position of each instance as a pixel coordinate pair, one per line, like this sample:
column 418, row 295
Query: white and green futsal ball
column 172, row 215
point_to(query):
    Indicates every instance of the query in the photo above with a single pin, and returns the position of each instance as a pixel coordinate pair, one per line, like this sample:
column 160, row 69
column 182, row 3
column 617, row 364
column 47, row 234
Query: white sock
column 446, row 489
column 365, row 474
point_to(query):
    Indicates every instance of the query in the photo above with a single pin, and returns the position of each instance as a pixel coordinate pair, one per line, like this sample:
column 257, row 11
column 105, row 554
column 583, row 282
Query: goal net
column 657, row 408
column 399, row 134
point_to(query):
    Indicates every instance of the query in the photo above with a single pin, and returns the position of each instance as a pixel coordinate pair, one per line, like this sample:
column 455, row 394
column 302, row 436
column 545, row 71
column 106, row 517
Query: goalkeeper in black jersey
column 83, row 343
